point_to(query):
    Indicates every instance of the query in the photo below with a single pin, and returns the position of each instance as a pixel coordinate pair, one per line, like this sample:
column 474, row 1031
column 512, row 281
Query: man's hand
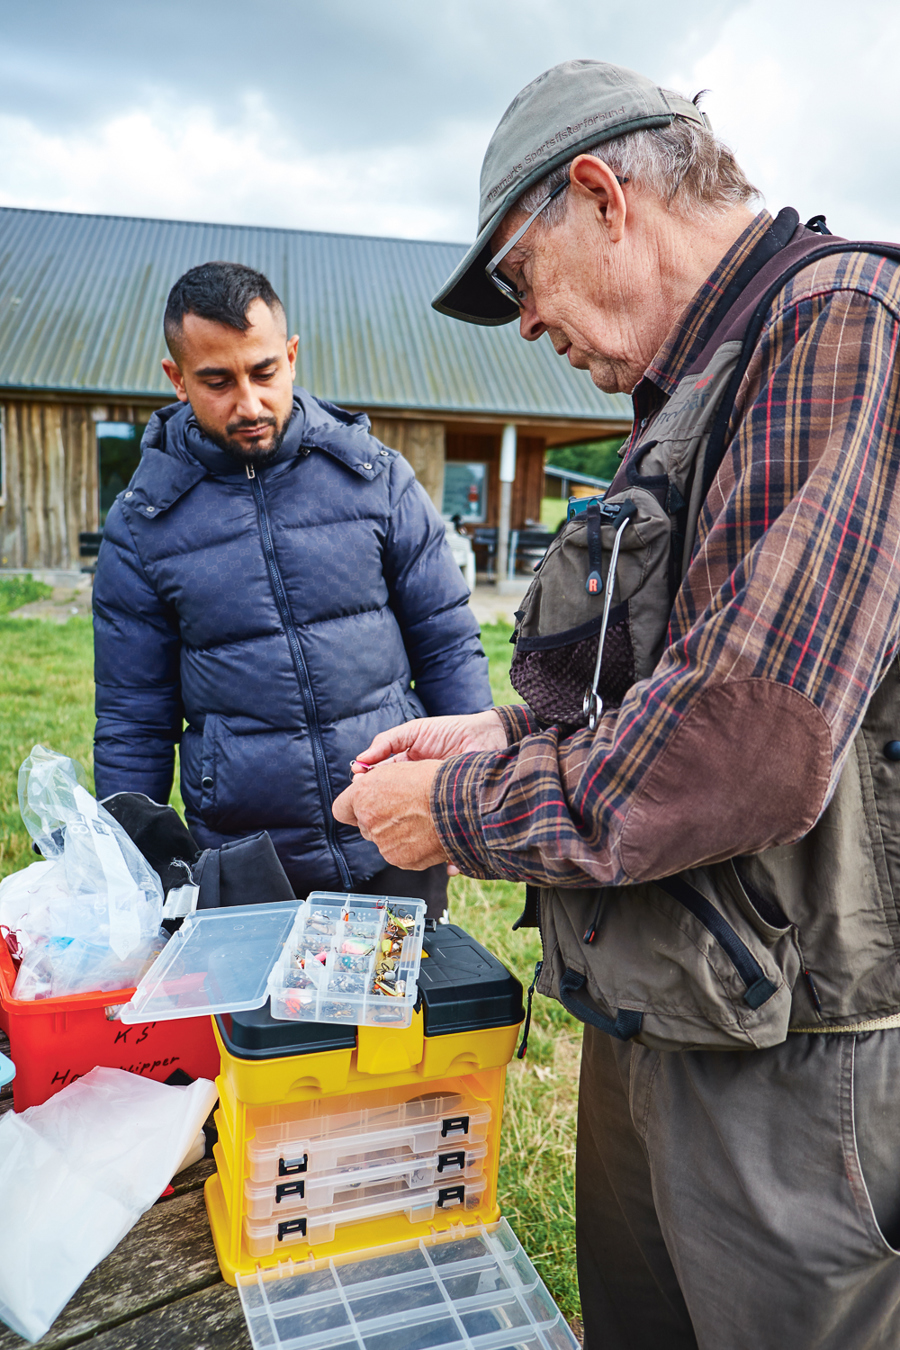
column 390, row 806
column 435, row 738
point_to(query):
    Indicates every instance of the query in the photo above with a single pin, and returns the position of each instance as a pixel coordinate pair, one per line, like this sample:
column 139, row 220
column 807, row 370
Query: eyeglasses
column 506, row 287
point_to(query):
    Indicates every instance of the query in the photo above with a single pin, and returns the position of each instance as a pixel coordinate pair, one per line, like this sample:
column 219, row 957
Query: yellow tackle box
column 337, row 1138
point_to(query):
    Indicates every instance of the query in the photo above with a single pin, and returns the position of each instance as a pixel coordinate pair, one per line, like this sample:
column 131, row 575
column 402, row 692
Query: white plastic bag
column 35, row 901
column 76, row 1173
column 114, row 896
column 57, row 967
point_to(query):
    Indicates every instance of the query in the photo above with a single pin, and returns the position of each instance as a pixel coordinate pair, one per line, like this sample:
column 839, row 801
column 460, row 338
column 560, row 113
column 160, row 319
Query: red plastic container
column 53, row 1041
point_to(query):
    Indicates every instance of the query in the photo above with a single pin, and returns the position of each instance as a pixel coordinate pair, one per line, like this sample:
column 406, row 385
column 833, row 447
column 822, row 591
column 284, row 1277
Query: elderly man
column 276, row 578
column 716, row 849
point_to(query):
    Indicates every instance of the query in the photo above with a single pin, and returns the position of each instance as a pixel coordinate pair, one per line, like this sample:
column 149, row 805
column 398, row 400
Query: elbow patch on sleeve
column 749, row 768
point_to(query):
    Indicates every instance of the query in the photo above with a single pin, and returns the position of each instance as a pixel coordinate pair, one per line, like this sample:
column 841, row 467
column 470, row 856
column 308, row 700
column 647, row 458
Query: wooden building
column 82, row 299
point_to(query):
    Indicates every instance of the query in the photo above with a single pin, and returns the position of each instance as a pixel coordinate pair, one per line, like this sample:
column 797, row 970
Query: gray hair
column 684, row 165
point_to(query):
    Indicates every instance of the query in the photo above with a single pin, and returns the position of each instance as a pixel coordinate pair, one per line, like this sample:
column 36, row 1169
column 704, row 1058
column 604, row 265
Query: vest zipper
column 759, row 988
column 523, row 1044
column 300, row 668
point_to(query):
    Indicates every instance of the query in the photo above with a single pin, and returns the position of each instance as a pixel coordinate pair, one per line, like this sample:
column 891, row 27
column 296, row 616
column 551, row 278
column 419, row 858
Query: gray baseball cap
column 569, row 108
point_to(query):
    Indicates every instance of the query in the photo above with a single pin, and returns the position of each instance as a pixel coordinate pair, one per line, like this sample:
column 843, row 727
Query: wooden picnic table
column 161, row 1289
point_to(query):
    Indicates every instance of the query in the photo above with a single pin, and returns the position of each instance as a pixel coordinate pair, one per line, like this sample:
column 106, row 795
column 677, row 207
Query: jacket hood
column 176, row 454
column 314, row 423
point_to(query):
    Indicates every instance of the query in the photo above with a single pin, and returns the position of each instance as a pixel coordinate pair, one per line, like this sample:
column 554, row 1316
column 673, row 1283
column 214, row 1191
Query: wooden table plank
column 210, row 1320
column 192, row 1178
column 168, row 1255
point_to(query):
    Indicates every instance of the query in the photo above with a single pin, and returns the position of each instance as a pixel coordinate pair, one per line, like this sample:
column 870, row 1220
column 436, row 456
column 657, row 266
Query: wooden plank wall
column 50, row 480
column 525, row 507
column 479, row 447
column 51, row 489
column 422, row 443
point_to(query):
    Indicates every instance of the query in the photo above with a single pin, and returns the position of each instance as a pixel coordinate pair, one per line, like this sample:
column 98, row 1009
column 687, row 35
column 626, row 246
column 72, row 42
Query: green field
column 46, row 695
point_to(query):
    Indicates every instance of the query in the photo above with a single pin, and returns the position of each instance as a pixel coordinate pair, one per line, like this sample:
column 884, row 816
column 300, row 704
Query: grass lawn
column 46, row 695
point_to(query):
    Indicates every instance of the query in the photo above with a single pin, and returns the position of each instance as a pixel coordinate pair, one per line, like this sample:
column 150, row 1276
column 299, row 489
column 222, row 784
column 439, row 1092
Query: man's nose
column 249, row 404
column 530, row 326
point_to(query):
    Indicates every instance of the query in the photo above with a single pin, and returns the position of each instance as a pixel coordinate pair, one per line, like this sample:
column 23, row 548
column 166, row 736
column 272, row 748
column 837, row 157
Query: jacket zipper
column 299, row 660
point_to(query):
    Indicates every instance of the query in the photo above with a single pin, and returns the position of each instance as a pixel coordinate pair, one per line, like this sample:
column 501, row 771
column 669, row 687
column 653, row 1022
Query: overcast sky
column 372, row 116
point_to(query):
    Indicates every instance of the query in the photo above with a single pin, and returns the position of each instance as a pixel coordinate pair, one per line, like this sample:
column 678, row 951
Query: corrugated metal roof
column 82, row 299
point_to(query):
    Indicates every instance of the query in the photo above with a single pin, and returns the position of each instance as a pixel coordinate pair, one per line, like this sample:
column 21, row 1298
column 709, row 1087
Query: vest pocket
column 552, row 673
column 676, row 964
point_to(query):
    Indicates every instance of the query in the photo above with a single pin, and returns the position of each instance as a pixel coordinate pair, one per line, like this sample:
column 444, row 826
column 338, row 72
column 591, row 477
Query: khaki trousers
column 740, row 1201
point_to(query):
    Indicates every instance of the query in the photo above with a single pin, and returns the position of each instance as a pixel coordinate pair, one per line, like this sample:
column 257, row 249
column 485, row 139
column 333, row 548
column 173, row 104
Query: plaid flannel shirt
column 785, row 622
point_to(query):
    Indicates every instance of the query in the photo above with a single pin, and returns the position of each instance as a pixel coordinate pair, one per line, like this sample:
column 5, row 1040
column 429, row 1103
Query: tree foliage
column 599, row 458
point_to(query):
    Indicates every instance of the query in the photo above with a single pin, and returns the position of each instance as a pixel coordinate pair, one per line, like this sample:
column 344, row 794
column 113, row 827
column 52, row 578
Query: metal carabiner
column 592, row 707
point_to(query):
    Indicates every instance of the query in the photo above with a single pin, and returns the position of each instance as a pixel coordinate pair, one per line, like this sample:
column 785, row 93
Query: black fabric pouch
column 241, row 872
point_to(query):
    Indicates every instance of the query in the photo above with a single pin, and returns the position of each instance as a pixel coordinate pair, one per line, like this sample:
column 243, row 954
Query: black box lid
column 462, row 987
column 256, row 1034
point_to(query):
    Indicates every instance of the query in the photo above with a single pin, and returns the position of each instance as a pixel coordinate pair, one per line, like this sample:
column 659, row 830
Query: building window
column 2, row 456
column 465, row 491
column 118, row 451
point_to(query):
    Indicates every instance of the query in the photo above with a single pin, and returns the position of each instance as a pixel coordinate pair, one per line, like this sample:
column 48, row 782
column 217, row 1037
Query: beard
column 257, row 457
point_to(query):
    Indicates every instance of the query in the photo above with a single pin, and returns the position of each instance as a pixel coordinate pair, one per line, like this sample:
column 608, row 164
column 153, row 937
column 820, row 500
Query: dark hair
column 220, row 291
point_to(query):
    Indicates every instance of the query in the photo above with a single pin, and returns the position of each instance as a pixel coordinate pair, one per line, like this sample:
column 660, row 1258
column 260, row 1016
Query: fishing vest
column 736, row 954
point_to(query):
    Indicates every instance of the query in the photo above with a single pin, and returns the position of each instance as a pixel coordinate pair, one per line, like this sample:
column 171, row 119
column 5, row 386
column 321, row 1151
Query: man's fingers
column 342, row 807
column 390, row 807
column 389, row 743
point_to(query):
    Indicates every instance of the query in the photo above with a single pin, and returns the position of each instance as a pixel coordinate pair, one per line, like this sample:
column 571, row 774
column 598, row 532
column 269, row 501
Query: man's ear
column 593, row 178
column 175, row 375
column 292, row 346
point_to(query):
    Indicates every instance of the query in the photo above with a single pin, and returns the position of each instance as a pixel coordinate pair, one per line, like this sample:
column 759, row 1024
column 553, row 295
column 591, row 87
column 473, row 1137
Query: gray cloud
column 373, row 116
column 345, row 73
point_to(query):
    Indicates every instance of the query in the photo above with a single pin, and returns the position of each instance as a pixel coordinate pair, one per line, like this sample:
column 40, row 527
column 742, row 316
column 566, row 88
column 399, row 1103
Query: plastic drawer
column 355, row 1138
column 299, row 1194
column 471, row 1288
column 264, row 1236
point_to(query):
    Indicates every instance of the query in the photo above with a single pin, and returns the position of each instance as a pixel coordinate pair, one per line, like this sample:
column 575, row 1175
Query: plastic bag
column 35, row 901
column 114, row 898
column 76, row 1173
column 56, row 967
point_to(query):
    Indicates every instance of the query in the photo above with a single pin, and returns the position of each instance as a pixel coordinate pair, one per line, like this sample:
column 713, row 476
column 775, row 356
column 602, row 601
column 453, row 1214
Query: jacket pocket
column 683, row 963
column 413, row 706
column 208, row 769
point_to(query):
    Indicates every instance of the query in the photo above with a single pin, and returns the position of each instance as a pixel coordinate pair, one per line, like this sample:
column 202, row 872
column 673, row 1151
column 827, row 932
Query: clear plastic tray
column 264, row 1236
column 472, row 1288
column 231, row 960
column 404, row 1170
column 366, row 1136
column 218, row 961
column 328, row 970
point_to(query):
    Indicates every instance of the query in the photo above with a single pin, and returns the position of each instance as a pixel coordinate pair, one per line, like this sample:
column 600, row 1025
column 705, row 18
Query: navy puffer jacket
column 282, row 617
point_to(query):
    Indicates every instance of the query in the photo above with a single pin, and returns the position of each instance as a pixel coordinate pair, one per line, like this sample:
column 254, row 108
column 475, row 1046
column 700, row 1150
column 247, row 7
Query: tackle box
column 468, row 1288
column 334, row 959
column 299, row 1101
column 344, row 987
column 53, row 1041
